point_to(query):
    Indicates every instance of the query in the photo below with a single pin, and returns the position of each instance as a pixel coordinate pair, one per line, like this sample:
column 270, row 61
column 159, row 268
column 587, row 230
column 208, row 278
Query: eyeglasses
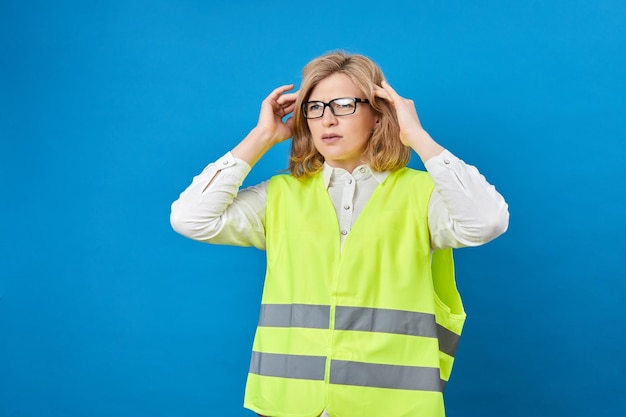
column 344, row 106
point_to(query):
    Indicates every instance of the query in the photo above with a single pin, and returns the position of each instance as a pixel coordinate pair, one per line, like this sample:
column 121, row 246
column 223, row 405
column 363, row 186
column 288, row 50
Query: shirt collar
column 328, row 172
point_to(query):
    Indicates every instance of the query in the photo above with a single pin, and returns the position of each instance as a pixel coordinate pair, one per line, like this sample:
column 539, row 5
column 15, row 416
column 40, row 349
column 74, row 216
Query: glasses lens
column 313, row 109
column 343, row 106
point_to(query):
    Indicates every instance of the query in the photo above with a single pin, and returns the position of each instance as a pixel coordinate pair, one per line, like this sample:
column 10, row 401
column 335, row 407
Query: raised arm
column 464, row 209
column 212, row 209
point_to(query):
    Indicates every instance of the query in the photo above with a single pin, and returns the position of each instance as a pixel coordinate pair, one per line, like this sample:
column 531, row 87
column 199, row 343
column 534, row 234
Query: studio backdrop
column 109, row 108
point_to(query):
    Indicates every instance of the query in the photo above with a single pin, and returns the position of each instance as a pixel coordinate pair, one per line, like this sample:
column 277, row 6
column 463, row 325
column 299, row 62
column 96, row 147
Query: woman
column 360, row 314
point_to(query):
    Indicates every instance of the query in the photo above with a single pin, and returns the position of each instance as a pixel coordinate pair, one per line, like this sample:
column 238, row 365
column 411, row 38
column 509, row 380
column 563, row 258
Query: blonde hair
column 384, row 151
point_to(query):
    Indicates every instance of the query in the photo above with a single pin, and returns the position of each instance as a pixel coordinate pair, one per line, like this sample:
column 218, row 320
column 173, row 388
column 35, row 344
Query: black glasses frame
column 354, row 100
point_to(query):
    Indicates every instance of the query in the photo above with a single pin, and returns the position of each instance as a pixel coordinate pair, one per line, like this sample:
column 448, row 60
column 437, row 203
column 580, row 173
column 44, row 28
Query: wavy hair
column 384, row 151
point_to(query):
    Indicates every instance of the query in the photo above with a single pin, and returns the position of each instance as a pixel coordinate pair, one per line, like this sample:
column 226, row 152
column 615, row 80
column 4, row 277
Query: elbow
column 481, row 230
column 180, row 224
column 188, row 226
column 497, row 226
column 495, row 223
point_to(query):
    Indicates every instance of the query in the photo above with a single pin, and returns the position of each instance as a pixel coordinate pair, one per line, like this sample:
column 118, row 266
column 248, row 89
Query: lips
column 330, row 137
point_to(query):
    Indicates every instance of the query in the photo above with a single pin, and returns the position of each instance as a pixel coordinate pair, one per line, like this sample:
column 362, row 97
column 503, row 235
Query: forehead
column 334, row 86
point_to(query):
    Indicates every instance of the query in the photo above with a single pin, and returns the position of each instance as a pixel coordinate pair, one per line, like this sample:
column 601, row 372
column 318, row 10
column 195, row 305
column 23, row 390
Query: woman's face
column 341, row 139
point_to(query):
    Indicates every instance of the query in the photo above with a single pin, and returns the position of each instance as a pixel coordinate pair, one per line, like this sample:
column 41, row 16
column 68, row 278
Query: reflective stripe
column 385, row 376
column 288, row 366
column 448, row 340
column 295, row 315
column 385, row 321
column 360, row 319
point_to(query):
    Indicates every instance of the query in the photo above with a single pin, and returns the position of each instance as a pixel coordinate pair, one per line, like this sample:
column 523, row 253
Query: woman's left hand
column 405, row 110
column 411, row 131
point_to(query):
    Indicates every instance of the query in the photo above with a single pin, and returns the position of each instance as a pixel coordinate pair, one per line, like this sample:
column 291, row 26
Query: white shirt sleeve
column 213, row 209
column 464, row 209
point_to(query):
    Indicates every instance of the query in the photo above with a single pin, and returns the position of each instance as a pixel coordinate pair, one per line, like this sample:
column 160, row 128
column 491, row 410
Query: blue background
column 108, row 109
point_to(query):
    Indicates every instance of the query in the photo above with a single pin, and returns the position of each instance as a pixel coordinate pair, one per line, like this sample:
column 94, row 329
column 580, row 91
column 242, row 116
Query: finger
column 277, row 92
column 284, row 111
column 287, row 98
column 288, row 109
column 389, row 89
column 382, row 93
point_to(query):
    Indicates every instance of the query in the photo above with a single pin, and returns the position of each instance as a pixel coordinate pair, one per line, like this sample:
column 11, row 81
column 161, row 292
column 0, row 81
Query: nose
column 328, row 117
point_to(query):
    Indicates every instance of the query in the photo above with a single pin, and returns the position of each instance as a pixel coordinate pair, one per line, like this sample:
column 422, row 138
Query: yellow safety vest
column 366, row 331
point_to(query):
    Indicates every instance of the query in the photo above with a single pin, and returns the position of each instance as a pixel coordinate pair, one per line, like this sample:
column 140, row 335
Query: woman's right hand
column 270, row 128
column 273, row 109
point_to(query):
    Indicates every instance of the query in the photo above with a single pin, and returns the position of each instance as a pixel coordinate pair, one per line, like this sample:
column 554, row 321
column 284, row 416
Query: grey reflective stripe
column 448, row 340
column 295, row 315
column 443, row 384
column 288, row 366
column 385, row 321
column 385, row 376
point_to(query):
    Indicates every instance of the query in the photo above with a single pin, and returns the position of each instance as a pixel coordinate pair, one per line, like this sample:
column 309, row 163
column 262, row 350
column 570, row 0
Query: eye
column 343, row 103
column 314, row 106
